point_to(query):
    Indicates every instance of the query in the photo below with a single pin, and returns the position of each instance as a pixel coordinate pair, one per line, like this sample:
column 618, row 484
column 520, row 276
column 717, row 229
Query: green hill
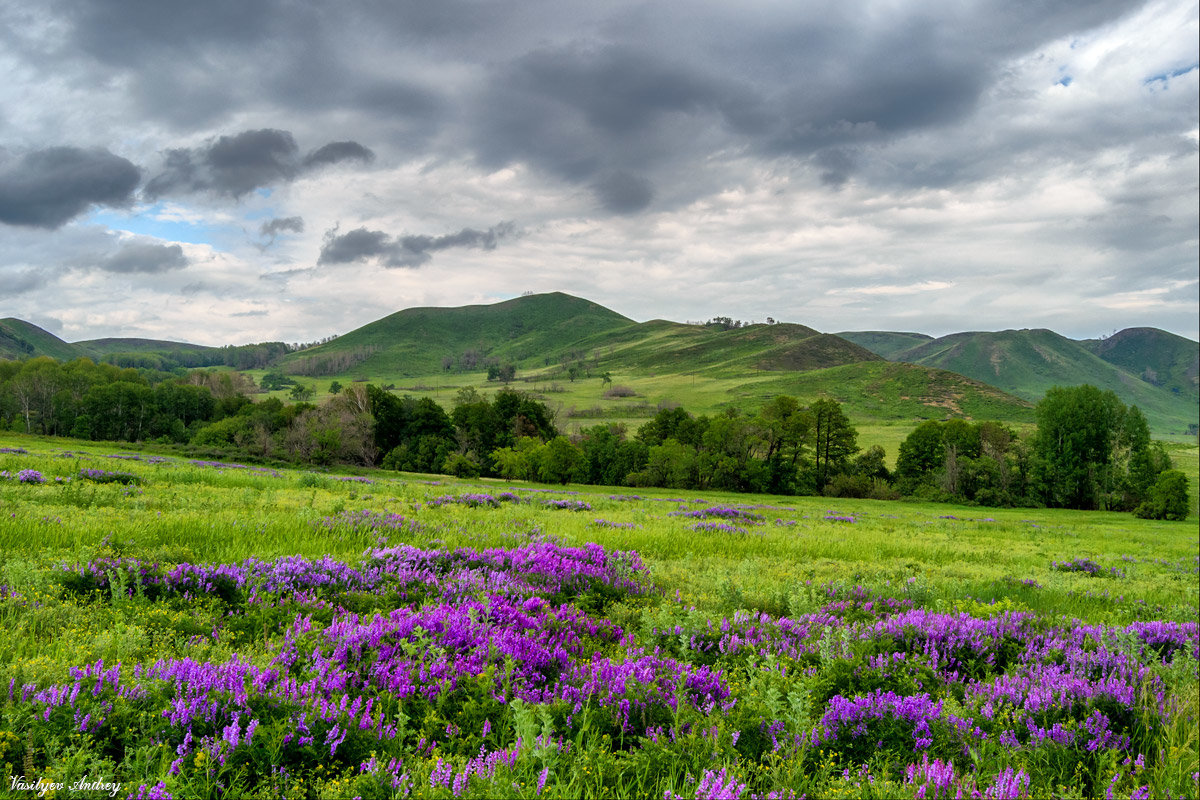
column 20, row 339
column 704, row 367
column 1026, row 363
column 549, row 333
column 98, row 348
column 554, row 339
column 674, row 348
column 886, row 343
column 529, row 330
column 1159, row 358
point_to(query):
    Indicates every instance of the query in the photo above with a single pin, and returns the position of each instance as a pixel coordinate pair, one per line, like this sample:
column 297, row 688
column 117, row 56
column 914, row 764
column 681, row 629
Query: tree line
column 1089, row 450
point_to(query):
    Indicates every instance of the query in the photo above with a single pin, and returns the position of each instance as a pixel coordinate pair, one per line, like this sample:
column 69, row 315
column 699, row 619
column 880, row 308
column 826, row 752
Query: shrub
column 1168, row 498
column 855, row 486
column 461, row 466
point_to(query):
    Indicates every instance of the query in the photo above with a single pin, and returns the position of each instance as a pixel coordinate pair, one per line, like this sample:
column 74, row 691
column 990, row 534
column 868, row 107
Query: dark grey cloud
column 592, row 114
column 47, row 188
column 237, row 165
column 145, row 257
column 127, row 32
column 231, row 165
column 643, row 89
column 274, row 227
column 623, row 192
column 361, row 244
column 335, row 152
column 357, row 245
column 836, row 165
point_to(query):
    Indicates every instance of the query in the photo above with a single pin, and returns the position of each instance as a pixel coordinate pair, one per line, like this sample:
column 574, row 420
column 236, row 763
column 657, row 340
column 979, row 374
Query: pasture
column 189, row 628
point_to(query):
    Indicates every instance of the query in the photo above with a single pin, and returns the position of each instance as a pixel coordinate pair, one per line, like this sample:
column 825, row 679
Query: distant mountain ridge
column 547, row 333
column 1151, row 368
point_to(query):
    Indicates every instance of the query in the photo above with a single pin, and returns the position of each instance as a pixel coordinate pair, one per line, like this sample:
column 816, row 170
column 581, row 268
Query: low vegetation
column 210, row 628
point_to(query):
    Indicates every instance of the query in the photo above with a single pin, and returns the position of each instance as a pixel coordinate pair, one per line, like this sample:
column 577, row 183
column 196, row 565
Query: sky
column 227, row 172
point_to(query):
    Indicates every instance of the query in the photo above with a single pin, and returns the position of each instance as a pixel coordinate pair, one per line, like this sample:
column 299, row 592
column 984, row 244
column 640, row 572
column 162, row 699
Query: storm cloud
column 237, row 165
column 404, row 251
column 335, row 152
column 145, row 258
column 1036, row 162
column 47, row 188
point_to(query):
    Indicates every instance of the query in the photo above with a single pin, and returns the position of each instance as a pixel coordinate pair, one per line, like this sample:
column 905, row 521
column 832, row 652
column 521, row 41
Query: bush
column 851, row 486
column 461, row 466
column 1168, row 498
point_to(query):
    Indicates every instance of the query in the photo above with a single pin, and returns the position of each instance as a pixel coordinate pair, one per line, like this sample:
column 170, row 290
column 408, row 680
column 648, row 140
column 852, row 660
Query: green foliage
column 1167, row 498
column 301, row 392
column 834, row 442
column 275, row 379
column 1085, row 442
column 461, row 465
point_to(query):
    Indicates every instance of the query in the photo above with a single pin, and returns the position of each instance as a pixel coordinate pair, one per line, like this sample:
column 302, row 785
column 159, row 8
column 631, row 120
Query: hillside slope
column 674, row 348
column 98, row 348
column 886, row 343
column 890, row 391
column 21, row 339
column 424, row 341
column 1027, row 363
column 548, row 333
column 1159, row 358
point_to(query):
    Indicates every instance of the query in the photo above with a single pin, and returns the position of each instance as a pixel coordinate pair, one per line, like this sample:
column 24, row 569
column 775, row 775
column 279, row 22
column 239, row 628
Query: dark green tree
column 921, row 453
column 1077, row 428
column 835, row 441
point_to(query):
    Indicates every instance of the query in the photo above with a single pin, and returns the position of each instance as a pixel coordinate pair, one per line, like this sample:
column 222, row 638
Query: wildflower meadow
column 175, row 628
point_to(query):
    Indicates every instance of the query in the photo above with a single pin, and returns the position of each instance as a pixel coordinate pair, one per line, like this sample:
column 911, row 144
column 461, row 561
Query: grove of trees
column 1089, row 450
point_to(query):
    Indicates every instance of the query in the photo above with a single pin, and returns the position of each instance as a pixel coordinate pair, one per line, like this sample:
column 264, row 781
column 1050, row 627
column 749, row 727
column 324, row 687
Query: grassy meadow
column 200, row 629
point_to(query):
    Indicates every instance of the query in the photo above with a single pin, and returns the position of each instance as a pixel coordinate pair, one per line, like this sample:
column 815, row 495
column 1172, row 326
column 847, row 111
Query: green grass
column 232, row 514
column 954, row 560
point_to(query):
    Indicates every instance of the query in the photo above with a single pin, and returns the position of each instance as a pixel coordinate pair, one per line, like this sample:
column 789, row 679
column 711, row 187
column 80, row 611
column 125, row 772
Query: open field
column 199, row 629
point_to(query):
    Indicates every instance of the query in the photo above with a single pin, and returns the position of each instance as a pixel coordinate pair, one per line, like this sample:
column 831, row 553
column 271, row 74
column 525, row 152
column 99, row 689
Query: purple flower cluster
column 717, row 527
column 30, row 476
column 721, row 512
column 492, row 622
column 156, row 792
column 568, row 505
column 936, row 780
column 852, row 718
column 13, row 451
column 533, row 570
column 483, row 765
column 104, row 476
column 474, row 500
column 1086, row 566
